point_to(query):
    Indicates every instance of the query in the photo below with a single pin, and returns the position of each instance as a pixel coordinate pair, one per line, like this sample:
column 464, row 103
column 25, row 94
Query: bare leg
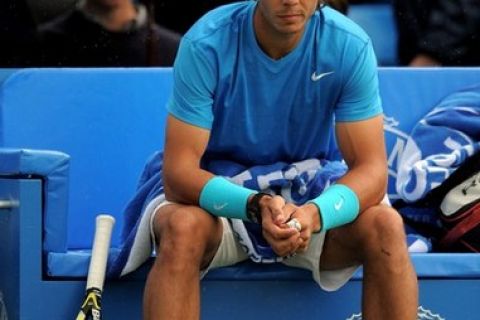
column 188, row 238
column 377, row 239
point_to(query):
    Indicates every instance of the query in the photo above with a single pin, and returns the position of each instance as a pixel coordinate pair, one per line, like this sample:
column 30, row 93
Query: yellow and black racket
column 91, row 308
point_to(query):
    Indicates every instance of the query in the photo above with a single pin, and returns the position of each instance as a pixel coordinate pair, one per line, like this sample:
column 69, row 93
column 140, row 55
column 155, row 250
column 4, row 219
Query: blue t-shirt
column 261, row 111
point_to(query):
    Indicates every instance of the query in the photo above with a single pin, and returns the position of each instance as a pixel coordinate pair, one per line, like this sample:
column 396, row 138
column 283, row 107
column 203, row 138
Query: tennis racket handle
column 101, row 246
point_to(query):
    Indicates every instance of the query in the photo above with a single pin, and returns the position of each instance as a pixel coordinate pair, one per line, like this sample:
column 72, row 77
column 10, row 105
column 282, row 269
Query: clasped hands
column 284, row 239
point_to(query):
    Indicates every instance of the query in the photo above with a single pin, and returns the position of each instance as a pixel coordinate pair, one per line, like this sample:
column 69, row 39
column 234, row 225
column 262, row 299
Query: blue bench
column 72, row 145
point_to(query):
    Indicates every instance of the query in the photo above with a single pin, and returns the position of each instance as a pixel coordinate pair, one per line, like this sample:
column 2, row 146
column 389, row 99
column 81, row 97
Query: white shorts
column 229, row 252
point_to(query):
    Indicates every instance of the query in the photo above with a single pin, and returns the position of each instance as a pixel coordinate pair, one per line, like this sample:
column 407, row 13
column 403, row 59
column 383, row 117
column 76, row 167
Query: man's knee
column 385, row 237
column 184, row 233
column 388, row 224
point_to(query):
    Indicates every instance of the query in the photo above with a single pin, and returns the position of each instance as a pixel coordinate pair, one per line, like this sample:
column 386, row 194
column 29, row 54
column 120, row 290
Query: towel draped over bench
column 296, row 182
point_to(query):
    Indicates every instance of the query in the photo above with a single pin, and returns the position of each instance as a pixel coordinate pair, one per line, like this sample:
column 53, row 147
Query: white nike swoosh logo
column 219, row 207
column 338, row 205
column 316, row 77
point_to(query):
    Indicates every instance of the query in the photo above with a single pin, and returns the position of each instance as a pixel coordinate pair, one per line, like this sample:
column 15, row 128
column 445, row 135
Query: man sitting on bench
column 256, row 84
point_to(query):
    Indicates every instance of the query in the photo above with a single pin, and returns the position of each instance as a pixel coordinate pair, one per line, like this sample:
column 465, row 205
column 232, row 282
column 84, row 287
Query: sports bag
column 460, row 208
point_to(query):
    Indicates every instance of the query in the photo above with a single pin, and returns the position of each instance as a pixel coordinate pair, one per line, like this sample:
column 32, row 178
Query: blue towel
column 135, row 240
column 296, row 182
column 439, row 144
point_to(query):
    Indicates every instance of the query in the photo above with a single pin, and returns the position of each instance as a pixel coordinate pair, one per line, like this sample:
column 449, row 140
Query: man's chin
column 290, row 29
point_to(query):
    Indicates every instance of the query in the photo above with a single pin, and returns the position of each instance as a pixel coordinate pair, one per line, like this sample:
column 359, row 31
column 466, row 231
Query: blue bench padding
column 5, row 73
column 53, row 167
column 427, row 265
column 108, row 120
column 73, row 263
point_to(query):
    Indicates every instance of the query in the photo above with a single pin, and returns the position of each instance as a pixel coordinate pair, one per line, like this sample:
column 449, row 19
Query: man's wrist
column 223, row 198
column 312, row 211
column 337, row 206
column 254, row 209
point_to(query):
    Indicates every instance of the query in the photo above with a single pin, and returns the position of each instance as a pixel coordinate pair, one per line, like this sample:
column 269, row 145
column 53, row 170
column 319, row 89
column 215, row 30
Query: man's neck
column 113, row 18
column 276, row 45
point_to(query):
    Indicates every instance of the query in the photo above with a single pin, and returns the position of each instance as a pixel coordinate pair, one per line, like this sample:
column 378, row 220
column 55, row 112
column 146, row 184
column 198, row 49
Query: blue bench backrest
column 110, row 120
column 409, row 94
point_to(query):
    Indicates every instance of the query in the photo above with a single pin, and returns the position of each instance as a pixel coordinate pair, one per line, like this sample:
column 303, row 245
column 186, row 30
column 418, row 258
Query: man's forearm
column 183, row 184
column 369, row 182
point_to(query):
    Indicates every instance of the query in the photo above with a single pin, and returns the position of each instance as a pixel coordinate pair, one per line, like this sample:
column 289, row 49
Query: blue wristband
column 223, row 198
column 338, row 205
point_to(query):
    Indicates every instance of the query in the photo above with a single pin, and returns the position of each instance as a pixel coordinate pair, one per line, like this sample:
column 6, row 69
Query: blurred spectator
column 107, row 33
column 438, row 32
column 17, row 34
